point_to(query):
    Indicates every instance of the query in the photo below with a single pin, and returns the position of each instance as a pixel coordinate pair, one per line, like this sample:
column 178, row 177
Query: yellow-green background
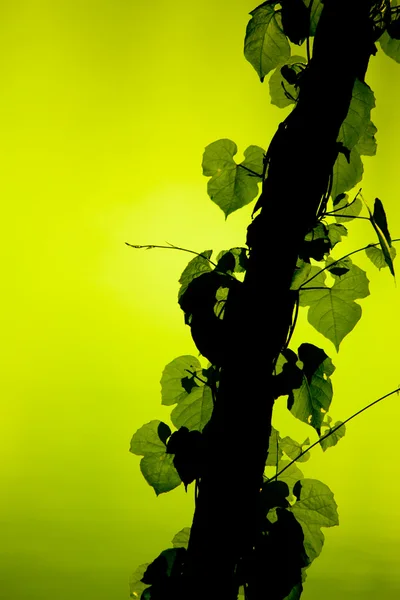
column 105, row 109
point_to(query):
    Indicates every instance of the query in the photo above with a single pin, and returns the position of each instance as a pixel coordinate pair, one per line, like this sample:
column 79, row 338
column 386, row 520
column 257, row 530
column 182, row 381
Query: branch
column 396, row 391
column 170, row 247
column 338, row 260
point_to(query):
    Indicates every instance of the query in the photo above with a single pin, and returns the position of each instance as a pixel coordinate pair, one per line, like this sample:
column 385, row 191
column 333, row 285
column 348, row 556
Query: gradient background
column 105, row 109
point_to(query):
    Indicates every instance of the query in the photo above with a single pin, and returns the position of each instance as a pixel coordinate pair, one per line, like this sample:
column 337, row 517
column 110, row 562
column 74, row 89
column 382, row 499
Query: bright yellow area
column 105, row 109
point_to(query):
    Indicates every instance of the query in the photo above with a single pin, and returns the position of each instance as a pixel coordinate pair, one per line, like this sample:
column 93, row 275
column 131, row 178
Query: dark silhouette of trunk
column 301, row 162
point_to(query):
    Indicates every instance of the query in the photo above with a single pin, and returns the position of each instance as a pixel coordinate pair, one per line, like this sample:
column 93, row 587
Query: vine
column 293, row 508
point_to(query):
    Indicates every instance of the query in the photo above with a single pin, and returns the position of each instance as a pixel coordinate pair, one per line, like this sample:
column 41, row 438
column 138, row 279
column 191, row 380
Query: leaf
column 265, row 44
column 301, row 274
column 195, row 410
column 136, row 586
column 380, row 219
column 159, row 472
column 274, row 451
column 316, row 244
column 315, row 508
column 344, row 210
column 358, row 116
column 156, row 466
column 314, row 397
column 231, row 186
column 181, row 539
column 335, row 233
column 316, row 10
column 345, row 175
column 168, row 564
column 293, row 449
column 334, row 437
column 291, row 474
column 377, row 257
column 366, row 145
column 176, row 381
column 274, row 494
column 390, row 46
column 295, row 21
column 147, row 439
column 338, row 267
column 221, row 297
column 164, row 432
column 295, row 593
column 277, row 81
column 287, row 374
column 379, row 223
column 239, row 262
column 188, row 449
column 196, row 267
column 333, row 311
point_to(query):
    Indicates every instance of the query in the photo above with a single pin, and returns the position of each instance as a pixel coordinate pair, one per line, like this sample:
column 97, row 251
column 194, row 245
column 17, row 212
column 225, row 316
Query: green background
column 105, row 109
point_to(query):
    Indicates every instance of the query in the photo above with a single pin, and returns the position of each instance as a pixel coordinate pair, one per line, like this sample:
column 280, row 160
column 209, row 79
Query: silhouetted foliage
column 290, row 509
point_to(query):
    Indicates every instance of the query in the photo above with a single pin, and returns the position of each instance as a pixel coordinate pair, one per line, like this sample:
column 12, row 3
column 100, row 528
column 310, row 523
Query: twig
column 396, row 391
column 169, row 247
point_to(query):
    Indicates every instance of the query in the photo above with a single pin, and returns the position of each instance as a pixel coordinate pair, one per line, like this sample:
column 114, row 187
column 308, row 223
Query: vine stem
column 396, row 391
column 253, row 173
column 338, row 260
column 169, row 247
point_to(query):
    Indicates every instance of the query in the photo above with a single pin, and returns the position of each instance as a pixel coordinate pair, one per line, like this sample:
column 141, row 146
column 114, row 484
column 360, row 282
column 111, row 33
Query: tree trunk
column 301, row 163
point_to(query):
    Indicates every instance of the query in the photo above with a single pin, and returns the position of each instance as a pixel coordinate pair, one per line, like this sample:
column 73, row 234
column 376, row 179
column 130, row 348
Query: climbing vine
column 325, row 283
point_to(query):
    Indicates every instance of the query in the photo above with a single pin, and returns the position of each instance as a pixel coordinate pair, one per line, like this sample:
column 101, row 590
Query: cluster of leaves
column 234, row 185
column 293, row 508
column 292, row 511
column 267, row 48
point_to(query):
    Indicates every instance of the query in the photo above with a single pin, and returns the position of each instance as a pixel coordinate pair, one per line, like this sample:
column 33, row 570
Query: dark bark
column 301, row 163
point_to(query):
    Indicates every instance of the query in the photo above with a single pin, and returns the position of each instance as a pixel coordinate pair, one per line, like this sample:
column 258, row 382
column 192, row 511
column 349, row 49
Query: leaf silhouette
column 301, row 274
column 290, row 475
column 177, row 382
column 159, row 472
column 231, row 186
column 366, row 145
column 295, row 593
column 334, row 437
column 274, row 450
column 181, row 539
column 238, row 260
column 277, row 81
column 265, row 44
column 377, row 257
column 335, row 233
column 345, row 175
column 344, row 210
column 187, row 448
column 147, row 439
column 136, row 586
column 315, row 393
column 316, row 10
column 380, row 219
column 196, row 267
column 295, row 20
column 293, row 449
column 156, row 466
column 332, row 311
column 379, row 223
column 195, row 410
column 390, row 46
column 315, row 508
column 358, row 116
